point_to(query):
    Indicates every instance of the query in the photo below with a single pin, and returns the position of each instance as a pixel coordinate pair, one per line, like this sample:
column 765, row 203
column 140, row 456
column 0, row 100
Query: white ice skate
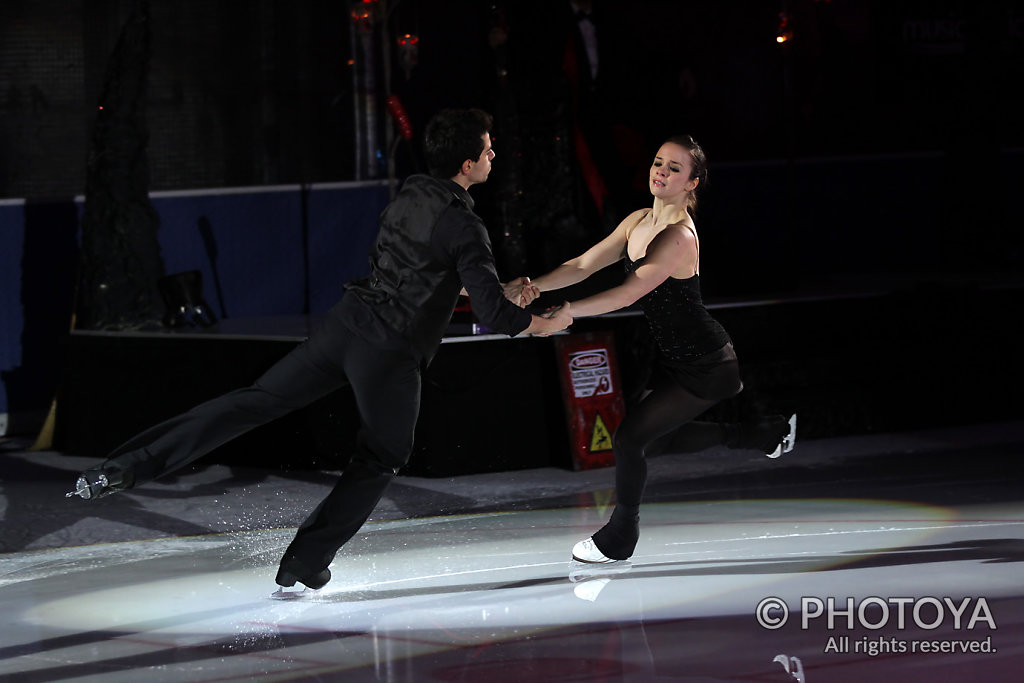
column 586, row 551
column 788, row 441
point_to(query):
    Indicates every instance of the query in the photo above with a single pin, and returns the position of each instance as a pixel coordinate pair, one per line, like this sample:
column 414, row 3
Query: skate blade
column 292, row 593
column 81, row 490
column 606, row 560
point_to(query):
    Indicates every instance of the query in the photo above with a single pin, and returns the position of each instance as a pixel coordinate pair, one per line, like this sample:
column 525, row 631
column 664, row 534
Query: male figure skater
column 378, row 339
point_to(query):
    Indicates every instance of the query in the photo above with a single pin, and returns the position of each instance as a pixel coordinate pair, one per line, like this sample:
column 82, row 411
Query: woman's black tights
column 664, row 421
column 664, row 416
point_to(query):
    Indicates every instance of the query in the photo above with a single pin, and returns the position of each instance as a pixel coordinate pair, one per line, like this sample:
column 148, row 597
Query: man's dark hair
column 451, row 137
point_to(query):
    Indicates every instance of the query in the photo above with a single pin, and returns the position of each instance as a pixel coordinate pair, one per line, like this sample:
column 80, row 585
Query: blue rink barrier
column 281, row 250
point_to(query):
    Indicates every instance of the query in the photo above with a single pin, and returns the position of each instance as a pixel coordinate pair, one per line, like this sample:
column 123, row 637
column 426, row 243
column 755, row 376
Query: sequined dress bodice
column 681, row 325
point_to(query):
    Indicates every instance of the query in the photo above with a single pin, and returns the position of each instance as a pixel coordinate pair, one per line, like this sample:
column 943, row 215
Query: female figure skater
column 696, row 366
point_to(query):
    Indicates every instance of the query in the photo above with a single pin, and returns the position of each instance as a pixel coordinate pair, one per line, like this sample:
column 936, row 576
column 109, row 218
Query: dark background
column 247, row 93
column 261, row 93
column 879, row 150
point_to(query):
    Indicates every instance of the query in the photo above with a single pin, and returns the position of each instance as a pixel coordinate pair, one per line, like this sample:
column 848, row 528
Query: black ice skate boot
column 99, row 481
column 293, row 571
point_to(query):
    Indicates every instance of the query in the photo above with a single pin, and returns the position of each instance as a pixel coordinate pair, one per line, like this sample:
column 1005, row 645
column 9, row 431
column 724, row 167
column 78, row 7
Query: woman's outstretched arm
column 606, row 252
column 672, row 247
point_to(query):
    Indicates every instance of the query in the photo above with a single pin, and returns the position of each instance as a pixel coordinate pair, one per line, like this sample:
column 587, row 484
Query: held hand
column 528, row 296
column 513, row 290
column 559, row 315
column 520, row 291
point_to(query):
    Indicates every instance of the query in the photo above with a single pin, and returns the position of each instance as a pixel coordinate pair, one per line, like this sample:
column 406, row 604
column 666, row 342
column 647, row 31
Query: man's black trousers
column 386, row 384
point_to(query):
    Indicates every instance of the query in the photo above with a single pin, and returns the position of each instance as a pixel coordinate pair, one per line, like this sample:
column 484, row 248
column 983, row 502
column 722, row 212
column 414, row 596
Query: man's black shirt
column 429, row 247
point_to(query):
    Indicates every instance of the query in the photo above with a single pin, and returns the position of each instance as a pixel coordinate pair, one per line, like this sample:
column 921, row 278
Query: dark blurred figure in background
column 560, row 105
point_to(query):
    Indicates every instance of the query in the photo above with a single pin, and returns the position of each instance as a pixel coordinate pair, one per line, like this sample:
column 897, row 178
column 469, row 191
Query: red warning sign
column 594, row 405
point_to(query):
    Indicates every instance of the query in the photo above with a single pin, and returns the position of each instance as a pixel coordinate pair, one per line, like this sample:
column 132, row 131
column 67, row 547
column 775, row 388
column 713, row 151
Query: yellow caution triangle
column 600, row 438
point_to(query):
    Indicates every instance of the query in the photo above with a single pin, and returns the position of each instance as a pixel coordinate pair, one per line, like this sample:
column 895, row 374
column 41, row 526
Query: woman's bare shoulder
column 627, row 224
column 683, row 229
